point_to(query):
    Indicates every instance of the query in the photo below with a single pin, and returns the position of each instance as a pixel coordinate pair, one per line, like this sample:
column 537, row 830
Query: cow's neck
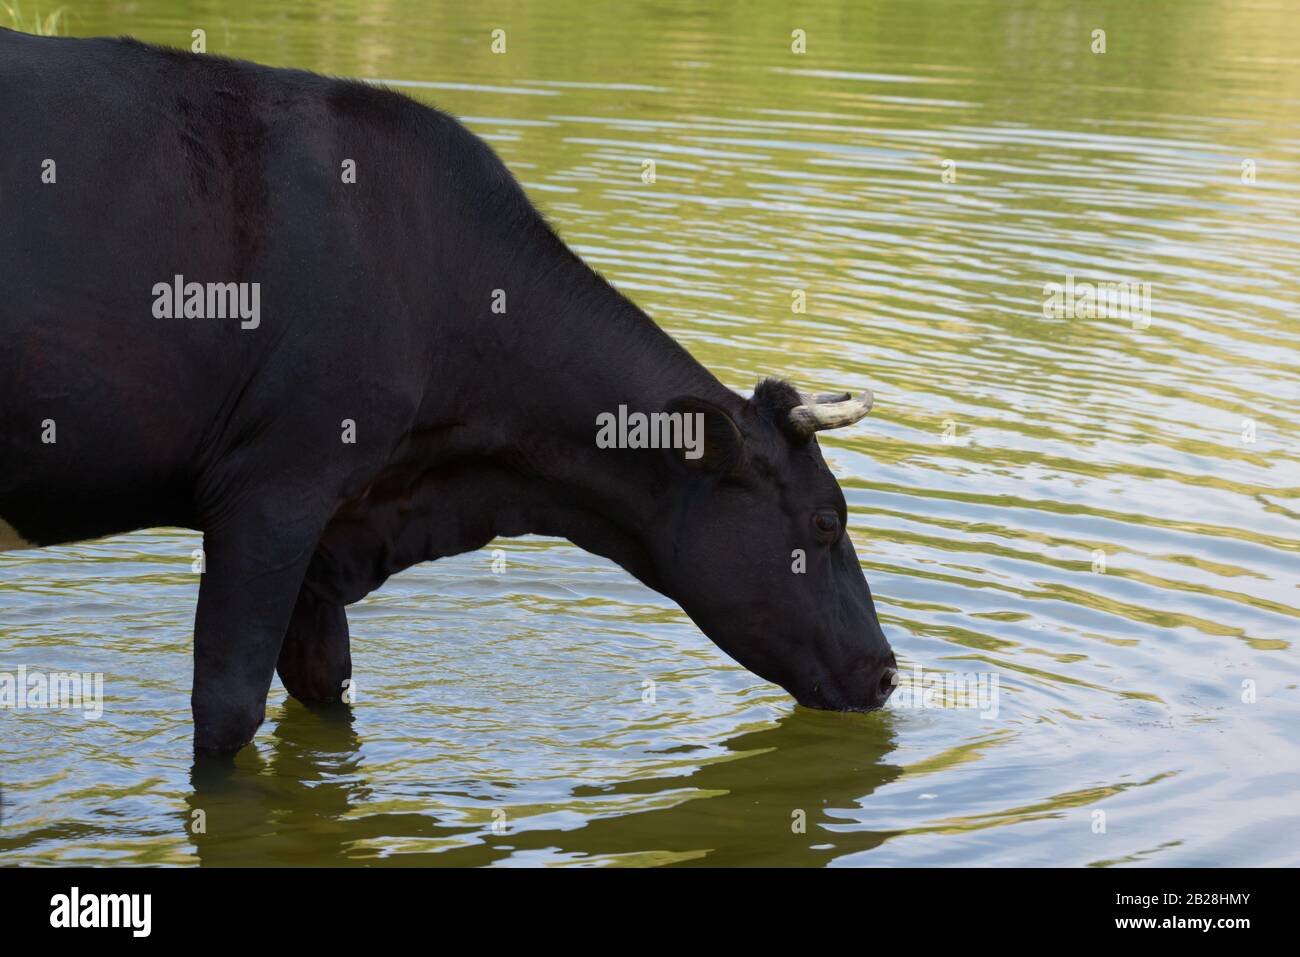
column 515, row 453
column 569, row 369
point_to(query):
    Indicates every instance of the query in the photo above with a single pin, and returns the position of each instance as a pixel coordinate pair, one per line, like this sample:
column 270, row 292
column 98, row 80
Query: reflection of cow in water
column 738, row 808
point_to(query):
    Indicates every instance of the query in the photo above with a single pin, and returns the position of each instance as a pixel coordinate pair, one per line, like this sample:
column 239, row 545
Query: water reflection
column 293, row 803
column 304, row 800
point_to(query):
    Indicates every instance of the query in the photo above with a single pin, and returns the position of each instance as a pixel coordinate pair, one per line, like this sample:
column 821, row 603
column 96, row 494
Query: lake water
column 1102, row 512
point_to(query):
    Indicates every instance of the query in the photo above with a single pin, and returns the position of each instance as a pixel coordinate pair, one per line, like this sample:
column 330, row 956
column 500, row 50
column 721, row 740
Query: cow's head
column 754, row 546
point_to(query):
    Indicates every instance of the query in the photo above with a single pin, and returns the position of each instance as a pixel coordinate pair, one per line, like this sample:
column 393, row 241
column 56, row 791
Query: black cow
column 322, row 324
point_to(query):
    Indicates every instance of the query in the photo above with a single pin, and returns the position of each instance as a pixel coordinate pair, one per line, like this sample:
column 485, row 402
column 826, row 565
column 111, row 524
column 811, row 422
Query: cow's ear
column 713, row 441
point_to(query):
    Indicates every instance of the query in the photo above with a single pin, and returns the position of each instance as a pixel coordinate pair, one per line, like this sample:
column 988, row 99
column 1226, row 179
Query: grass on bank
column 50, row 25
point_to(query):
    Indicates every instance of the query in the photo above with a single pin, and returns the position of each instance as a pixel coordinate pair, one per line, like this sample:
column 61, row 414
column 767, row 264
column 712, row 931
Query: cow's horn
column 829, row 411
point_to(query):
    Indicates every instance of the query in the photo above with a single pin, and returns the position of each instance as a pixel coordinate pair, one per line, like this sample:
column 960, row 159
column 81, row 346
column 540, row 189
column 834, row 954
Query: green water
column 501, row 717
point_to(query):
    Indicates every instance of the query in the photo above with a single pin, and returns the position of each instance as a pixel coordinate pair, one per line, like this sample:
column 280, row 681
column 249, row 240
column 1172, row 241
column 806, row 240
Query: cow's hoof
column 314, row 675
column 314, row 690
column 225, row 734
column 316, row 656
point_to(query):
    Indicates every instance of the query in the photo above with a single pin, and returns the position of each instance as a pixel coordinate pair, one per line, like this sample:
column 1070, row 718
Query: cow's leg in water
column 255, row 564
column 316, row 657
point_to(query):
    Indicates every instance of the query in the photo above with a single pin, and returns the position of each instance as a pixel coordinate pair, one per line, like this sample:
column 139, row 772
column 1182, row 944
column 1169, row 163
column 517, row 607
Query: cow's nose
column 885, row 687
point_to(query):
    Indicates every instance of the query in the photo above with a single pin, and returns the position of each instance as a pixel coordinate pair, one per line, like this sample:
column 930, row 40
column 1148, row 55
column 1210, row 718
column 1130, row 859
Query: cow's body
column 376, row 321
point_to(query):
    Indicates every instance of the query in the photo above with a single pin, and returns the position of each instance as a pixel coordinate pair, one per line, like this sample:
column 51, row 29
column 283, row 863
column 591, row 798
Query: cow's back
column 124, row 166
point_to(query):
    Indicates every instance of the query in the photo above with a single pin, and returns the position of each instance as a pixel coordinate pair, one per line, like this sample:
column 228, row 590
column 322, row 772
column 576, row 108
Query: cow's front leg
column 254, row 570
column 316, row 657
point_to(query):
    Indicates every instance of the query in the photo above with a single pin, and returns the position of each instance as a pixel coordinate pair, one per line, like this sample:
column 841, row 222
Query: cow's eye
column 827, row 523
